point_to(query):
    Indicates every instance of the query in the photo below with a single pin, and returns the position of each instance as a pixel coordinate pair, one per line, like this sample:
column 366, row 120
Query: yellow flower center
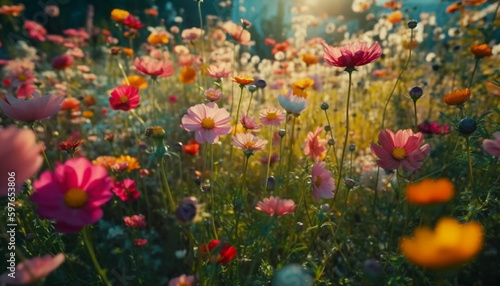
column 271, row 115
column 75, row 198
column 184, row 283
column 318, row 181
column 123, row 99
column 22, row 77
column 208, row 123
column 249, row 144
column 398, row 153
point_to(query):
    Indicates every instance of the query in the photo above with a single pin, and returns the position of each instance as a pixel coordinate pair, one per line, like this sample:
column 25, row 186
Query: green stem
column 473, row 73
column 269, row 156
column 415, row 114
column 470, row 162
column 250, row 102
column 238, row 109
column 88, row 244
column 43, row 150
column 290, row 154
column 167, row 187
column 331, row 135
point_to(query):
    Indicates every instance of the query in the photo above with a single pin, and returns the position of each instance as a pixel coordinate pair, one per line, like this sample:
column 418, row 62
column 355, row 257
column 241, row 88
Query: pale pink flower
column 23, row 155
column 492, row 146
column 135, row 221
column 31, row 270
column 35, row 30
column 249, row 123
column 238, row 33
column 154, row 68
column 323, row 183
column 72, row 195
column 351, row 55
column 248, row 142
column 276, row 206
column 400, row 149
column 29, row 110
column 213, row 94
column 272, row 116
column 315, row 147
column 182, row 280
column 192, row 34
column 52, row 10
column 20, row 72
column 181, row 50
column 218, row 71
column 208, row 121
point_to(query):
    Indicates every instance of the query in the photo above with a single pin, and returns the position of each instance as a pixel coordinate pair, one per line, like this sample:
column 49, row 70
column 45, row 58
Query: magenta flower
column 208, row 121
column 140, row 242
column 213, row 94
column 133, row 22
column 249, row 123
column 401, row 149
column 427, row 127
column 351, row 55
column 492, row 146
column 35, row 30
column 23, row 155
column 126, row 190
column 61, row 62
column 152, row 67
column 271, row 116
column 32, row 109
column 31, row 270
column 293, row 104
column 322, row 181
column 248, row 142
column 72, row 195
column 315, row 147
column 124, row 98
column 217, row 71
column 182, row 280
column 135, row 221
column 275, row 206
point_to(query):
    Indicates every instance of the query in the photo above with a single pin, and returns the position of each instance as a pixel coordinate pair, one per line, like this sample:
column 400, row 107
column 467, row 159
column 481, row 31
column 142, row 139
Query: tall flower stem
column 339, row 179
column 239, row 106
column 473, row 73
column 201, row 27
column 165, row 183
column 469, row 161
column 331, row 135
column 290, row 154
column 415, row 115
column 88, row 244
column 269, row 156
column 397, row 81
column 250, row 102
column 43, row 150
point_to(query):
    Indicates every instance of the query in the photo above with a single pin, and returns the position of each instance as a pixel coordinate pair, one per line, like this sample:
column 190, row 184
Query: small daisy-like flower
column 272, row 116
column 481, row 50
column 249, row 123
column 213, row 94
column 208, row 121
column 457, row 97
column 323, row 183
column 248, row 142
column 243, row 80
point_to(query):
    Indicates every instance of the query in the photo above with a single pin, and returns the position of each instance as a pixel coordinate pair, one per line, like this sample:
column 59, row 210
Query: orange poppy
column 309, row 59
column 70, row 103
column 430, row 191
column 128, row 52
column 158, row 38
column 395, row 17
column 188, row 75
column 481, row 50
column 243, row 80
column 136, row 81
column 457, row 97
column 151, row 12
column 119, row 15
column 454, row 7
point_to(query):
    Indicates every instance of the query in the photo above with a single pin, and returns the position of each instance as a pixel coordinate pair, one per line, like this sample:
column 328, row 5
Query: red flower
column 62, row 62
column 192, row 148
column 70, row 146
column 226, row 253
column 133, row 22
column 427, row 127
column 124, row 98
column 139, row 242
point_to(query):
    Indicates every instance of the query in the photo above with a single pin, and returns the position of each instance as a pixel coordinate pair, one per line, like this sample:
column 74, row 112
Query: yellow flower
column 119, row 15
column 303, row 83
column 309, row 59
column 158, row 37
column 450, row 244
column 136, row 81
column 188, row 75
column 132, row 162
column 243, row 80
column 457, row 97
column 430, row 191
column 299, row 92
column 105, row 161
column 127, row 51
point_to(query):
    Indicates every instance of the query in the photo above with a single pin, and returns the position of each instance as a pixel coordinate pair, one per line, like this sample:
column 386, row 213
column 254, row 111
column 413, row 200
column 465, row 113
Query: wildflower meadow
column 135, row 150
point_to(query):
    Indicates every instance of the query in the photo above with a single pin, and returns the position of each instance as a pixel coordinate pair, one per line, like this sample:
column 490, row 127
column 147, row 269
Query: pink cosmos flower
column 292, row 103
column 135, row 221
column 208, row 121
column 218, row 71
column 124, row 98
column 249, row 123
column 241, row 35
column 351, row 55
column 492, row 146
column 61, row 62
column 149, row 66
column 275, row 206
column 400, row 149
column 139, row 242
column 248, row 142
column 52, row 10
column 25, row 90
column 182, row 280
column 213, row 94
column 315, row 146
column 31, row 270
column 23, row 155
column 272, row 116
column 322, row 181
column 32, row 109
column 35, row 30
column 126, row 190
column 192, row 34
column 274, row 158
column 72, row 195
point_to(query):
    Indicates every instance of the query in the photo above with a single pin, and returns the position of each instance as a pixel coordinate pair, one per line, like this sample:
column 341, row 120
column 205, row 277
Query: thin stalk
column 167, row 187
column 415, row 114
column 473, row 73
column 88, row 244
column 239, row 105
column 250, row 102
column 331, row 135
column 470, row 162
column 201, row 27
column 290, row 154
column 43, row 151
column 269, row 156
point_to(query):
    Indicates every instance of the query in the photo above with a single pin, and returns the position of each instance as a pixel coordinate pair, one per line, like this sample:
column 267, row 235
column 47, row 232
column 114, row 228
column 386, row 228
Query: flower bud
column 352, row 147
column 328, row 128
column 331, row 142
column 282, row 133
column 412, row 24
column 252, row 88
column 467, row 126
column 324, row 106
column 350, row 183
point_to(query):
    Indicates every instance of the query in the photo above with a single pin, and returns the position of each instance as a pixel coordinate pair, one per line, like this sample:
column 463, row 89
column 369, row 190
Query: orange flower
column 188, row 75
column 105, row 161
column 454, row 7
column 88, row 114
column 457, row 97
column 299, row 92
column 151, row 12
column 450, row 244
column 128, row 52
column 481, row 50
column 309, row 59
column 89, row 100
column 158, row 37
column 392, row 5
column 13, row 10
column 430, row 191
column 131, row 161
column 303, row 83
column 119, row 15
column 243, row 80
column 136, row 81
column 395, row 17
column 70, row 103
